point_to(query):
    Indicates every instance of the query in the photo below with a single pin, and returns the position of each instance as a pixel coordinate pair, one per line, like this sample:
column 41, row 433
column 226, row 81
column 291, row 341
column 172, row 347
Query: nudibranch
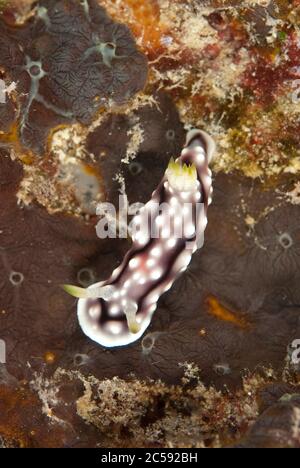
column 117, row 312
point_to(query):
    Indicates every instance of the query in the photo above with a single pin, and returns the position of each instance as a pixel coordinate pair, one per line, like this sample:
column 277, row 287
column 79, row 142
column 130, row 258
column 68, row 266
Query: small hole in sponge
column 86, row 277
column 148, row 342
column 80, row 359
column 135, row 168
column 222, row 369
column 16, row 278
column 285, row 241
column 170, row 135
column 35, row 70
column 110, row 46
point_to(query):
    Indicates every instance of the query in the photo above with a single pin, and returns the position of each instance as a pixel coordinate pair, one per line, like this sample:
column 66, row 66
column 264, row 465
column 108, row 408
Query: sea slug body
column 166, row 232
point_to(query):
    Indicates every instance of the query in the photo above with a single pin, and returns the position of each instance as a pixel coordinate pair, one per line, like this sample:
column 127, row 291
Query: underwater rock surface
column 70, row 59
column 214, row 368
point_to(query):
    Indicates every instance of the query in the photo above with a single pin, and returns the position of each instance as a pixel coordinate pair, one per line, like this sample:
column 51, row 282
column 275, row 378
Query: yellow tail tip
column 134, row 328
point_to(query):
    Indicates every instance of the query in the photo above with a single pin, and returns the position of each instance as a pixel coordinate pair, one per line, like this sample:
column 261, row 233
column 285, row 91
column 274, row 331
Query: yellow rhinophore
column 182, row 177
